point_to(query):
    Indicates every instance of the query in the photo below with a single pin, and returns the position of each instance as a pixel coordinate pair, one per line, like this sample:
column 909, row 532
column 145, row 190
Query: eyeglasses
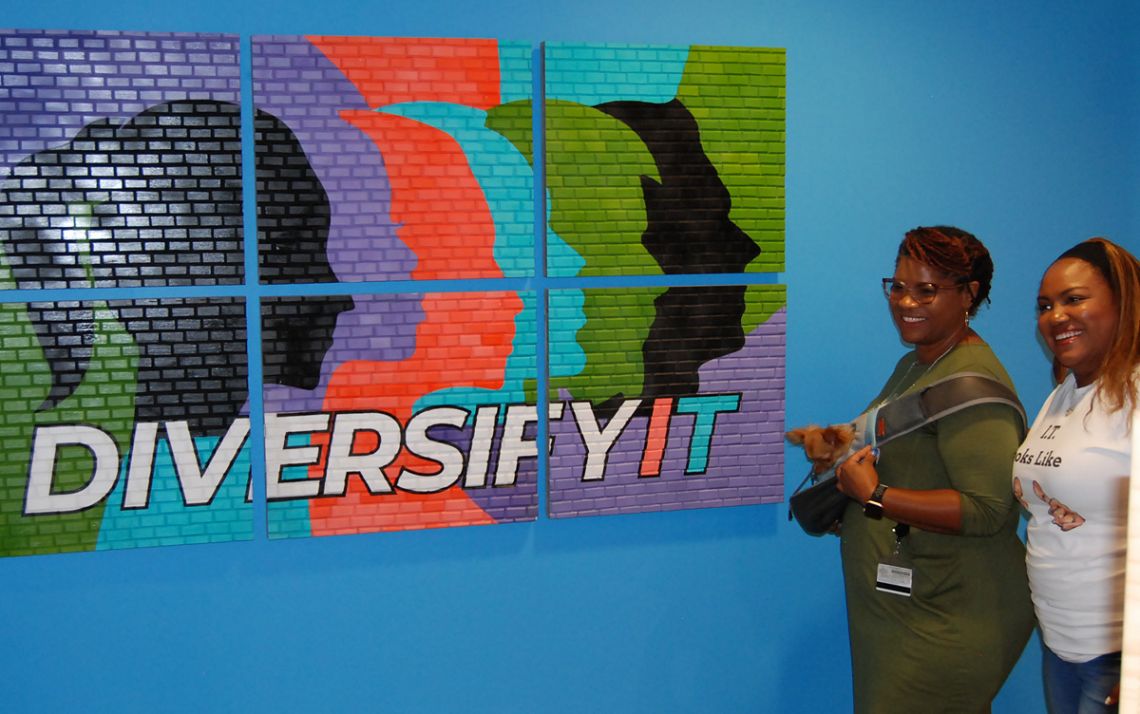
column 921, row 293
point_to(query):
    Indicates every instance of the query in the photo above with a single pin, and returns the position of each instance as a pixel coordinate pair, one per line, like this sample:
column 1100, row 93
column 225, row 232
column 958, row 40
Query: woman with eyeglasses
column 1072, row 472
column 937, row 601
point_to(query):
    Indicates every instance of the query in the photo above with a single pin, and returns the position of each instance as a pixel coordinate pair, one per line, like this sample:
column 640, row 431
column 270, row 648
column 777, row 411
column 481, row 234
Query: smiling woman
column 937, row 602
column 1072, row 471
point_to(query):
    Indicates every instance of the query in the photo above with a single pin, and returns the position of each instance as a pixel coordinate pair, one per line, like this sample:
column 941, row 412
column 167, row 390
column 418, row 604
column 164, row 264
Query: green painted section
column 760, row 302
column 105, row 400
column 738, row 98
column 618, row 321
column 593, row 177
column 514, row 121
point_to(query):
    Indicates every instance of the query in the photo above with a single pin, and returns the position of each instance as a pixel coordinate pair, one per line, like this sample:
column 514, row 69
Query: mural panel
column 396, row 132
column 421, row 421
column 673, row 398
column 120, row 171
column 665, row 159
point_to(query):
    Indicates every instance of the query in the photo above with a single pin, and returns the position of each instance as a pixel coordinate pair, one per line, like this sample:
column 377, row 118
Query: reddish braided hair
column 954, row 253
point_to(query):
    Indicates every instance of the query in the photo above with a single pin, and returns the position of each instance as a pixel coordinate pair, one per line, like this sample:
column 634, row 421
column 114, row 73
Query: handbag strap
column 799, row 488
column 946, row 396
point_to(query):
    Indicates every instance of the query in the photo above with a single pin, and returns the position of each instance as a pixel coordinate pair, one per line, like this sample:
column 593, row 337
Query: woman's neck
column 931, row 353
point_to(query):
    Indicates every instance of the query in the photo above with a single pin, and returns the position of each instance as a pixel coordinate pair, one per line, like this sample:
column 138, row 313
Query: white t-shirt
column 1077, row 460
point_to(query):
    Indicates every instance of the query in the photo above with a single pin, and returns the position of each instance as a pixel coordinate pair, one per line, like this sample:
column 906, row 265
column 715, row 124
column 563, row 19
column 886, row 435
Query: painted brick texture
column 120, row 168
column 665, row 160
column 739, row 462
column 415, row 187
column 704, row 125
column 382, row 166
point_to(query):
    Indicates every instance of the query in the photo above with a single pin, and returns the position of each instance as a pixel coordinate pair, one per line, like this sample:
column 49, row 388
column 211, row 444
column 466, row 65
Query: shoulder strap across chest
column 946, row 396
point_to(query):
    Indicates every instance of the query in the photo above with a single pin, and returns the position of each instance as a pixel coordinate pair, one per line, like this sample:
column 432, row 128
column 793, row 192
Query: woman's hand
column 1064, row 517
column 1113, row 697
column 857, row 477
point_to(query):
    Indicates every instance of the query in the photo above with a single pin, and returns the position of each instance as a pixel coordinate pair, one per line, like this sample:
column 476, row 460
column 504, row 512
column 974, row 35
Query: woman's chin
column 910, row 334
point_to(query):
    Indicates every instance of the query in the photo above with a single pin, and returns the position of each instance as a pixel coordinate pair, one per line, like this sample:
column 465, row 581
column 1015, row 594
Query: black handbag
column 817, row 508
column 820, row 507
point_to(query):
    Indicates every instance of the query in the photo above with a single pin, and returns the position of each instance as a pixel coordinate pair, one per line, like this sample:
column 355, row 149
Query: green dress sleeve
column 977, row 447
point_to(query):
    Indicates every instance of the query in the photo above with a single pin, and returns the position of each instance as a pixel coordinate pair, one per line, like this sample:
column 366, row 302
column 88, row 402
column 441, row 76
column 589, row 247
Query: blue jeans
column 1079, row 687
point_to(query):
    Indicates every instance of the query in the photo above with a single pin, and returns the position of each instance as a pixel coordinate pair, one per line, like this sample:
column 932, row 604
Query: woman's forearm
column 938, row 511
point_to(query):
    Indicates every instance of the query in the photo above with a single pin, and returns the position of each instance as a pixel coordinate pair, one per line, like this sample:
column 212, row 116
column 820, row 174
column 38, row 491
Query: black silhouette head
column 156, row 202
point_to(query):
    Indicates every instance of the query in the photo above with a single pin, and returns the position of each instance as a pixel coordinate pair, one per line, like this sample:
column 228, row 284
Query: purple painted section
column 53, row 83
column 506, row 504
column 746, row 456
column 295, row 82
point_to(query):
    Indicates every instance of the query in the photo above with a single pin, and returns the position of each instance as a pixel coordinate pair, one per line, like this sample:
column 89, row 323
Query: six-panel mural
column 385, row 325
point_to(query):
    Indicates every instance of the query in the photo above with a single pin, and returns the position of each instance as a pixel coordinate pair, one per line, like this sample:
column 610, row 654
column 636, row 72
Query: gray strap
column 946, row 396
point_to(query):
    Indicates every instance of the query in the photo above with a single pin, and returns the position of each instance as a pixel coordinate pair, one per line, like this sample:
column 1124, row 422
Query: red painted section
column 437, row 202
column 442, row 216
column 391, row 70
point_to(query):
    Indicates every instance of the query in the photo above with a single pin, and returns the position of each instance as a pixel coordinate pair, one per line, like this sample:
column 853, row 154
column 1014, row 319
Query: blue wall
column 1014, row 120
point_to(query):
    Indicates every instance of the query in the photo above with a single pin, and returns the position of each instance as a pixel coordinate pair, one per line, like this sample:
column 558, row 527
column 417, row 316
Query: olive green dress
column 951, row 644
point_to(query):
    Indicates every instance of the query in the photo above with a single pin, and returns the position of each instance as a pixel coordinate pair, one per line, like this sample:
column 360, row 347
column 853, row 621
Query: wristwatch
column 873, row 508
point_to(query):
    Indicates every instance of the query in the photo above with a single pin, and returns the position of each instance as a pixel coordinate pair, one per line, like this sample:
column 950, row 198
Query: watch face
column 873, row 509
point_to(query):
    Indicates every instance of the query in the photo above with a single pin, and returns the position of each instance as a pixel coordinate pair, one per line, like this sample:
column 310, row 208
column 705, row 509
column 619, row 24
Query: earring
column 967, row 321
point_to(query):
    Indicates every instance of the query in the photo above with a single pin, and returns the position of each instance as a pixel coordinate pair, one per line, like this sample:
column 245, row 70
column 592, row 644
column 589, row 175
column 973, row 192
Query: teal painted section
column 168, row 520
column 705, row 411
column 582, row 73
column 515, row 71
column 567, row 315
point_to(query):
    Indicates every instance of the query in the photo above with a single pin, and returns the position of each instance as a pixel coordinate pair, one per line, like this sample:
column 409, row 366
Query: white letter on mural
column 370, row 466
column 448, row 456
column 141, row 465
column 199, row 486
column 45, row 446
column 514, row 446
column 483, row 435
column 278, row 429
column 599, row 441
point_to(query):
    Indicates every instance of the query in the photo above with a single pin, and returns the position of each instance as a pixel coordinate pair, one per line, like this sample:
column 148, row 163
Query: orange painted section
column 655, row 438
column 437, row 203
column 391, row 70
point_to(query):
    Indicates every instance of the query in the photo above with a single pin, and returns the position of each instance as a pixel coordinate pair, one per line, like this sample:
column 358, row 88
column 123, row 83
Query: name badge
column 894, row 579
